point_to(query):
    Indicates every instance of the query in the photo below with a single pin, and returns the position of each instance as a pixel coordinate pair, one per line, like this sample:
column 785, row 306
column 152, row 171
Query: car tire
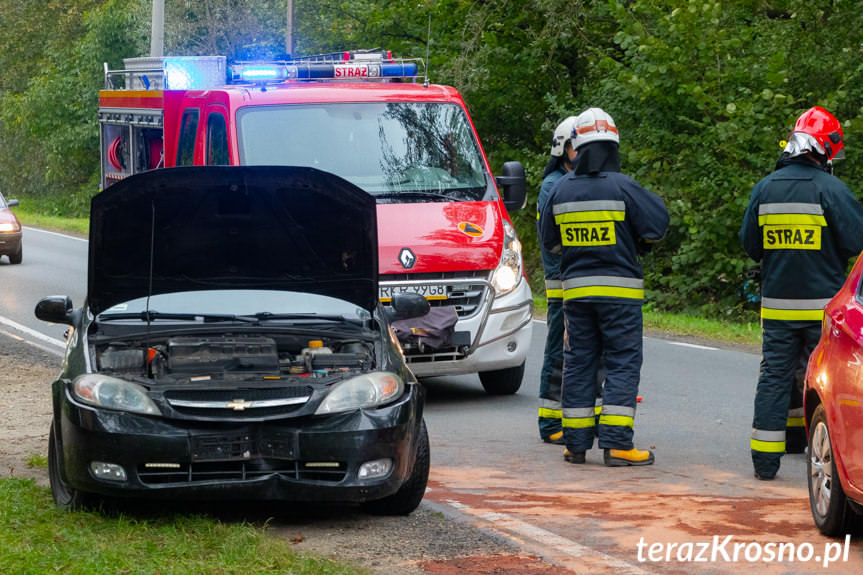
column 65, row 496
column 502, row 381
column 18, row 256
column 827, row 500
column 409, row 495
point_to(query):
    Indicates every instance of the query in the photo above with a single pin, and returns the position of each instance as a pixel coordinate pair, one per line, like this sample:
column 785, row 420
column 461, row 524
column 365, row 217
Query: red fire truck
column 444, row 229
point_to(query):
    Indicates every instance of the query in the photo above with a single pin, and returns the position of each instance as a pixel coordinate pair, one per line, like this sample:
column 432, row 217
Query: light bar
column 337, row 66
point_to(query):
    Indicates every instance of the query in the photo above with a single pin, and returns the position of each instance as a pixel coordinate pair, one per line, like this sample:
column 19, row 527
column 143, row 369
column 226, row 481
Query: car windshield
column 2, row 201
column 259, row 304
column 397, row 151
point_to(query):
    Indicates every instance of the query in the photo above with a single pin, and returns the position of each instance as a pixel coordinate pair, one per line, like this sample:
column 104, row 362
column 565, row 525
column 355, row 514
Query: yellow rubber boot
column 555, row 438
column 621, row 458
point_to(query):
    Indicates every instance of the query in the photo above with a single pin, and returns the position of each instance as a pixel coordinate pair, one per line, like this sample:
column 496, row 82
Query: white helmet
column 593, row 125
column 562, row 134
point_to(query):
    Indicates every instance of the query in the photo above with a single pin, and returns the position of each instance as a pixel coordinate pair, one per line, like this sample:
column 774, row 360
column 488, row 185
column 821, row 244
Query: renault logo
column 238, row 404
column 407, row 258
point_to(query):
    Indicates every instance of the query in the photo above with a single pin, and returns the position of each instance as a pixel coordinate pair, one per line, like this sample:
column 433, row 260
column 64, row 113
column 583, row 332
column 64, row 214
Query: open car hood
column 250, row 227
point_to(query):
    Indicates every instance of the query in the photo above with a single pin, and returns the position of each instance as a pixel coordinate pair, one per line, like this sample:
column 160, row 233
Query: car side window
column 186, row 143
column 217, row 141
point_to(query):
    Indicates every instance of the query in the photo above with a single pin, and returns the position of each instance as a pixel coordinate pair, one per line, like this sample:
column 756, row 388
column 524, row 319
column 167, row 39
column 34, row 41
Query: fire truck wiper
column 414, row 194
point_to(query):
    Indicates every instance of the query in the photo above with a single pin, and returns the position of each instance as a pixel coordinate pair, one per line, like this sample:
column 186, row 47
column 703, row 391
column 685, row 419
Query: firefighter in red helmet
column 803, row 225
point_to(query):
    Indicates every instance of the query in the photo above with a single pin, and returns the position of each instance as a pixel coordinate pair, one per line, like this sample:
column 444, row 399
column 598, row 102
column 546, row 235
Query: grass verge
column 36, row 537
column 77, row 226
column 748, row 333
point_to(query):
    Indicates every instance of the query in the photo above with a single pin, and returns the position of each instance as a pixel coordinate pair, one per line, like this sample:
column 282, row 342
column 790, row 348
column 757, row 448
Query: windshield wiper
column 152, row 315
column 413, row 194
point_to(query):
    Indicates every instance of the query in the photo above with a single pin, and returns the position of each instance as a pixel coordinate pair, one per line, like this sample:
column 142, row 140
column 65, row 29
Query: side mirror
column 56, row 309
column 407, row 305
column 514, row 186
column 11, row 203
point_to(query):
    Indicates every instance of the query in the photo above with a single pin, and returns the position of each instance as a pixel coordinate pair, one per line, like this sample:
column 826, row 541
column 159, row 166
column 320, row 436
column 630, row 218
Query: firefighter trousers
column 612, row 332
column 786, row 345
column 550, row 378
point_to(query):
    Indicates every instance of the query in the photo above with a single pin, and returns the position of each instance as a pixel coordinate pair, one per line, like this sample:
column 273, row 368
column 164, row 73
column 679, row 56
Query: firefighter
column 803, row 225
column 600, row 220
column 550, row 378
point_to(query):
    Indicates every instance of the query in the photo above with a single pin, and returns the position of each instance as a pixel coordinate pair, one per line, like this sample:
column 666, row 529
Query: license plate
column 385, row 293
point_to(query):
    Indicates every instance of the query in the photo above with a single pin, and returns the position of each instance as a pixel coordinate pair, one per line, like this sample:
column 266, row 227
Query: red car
column 10, row 232
column 833, row 402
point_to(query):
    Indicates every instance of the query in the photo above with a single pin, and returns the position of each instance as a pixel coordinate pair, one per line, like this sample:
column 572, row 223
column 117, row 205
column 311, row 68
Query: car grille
column 465, row 297
column 199, row 472
column 238, row 403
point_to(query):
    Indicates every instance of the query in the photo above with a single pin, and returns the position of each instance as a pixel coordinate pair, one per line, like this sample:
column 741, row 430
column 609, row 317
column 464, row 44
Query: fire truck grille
column 464, row 290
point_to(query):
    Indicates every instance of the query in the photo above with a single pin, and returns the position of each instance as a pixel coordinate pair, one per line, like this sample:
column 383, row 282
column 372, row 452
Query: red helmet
column 817, row 130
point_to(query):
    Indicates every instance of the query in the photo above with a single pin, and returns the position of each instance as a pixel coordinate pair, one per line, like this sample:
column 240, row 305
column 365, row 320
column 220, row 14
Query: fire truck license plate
column 385, row 293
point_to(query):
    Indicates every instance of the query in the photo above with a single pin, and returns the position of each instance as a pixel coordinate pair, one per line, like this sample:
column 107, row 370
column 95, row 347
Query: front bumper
column 309, row 459
column 9, row 243
column 500, row 335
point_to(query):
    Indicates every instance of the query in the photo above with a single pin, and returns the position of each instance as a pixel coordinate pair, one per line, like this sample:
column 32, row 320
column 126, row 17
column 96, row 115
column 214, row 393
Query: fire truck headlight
column 508, row 273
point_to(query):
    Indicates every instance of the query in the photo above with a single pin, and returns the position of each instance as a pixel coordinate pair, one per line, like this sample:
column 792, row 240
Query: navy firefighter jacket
column 597, row 222
column 803, row 225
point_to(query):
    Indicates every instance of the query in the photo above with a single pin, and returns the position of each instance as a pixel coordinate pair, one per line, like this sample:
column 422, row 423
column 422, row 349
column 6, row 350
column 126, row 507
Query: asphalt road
column 490, row 470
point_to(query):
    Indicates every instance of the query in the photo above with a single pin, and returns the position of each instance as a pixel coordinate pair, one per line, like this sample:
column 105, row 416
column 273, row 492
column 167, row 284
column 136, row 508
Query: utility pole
column 157, row 29
column 289, row 29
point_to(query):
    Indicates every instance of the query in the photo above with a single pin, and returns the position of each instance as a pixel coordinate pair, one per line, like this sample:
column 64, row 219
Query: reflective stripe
column 795, row 418
column 597, row 410
column 793, row 309
column 618, row 410
column 767, row 446
column 762, row 435
column 790, row 208
column 590, row 216
column 553, row 289
column 579, row 423
column 590, row 206
column 606, row 286
column 617, row 420
column 547, row 413
column 792, row 219
column 767, row 441
column 549, row 403
column 578, row 417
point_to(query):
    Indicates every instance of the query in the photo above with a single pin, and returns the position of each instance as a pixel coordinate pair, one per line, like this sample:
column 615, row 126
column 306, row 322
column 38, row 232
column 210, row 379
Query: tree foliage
column 701, row 90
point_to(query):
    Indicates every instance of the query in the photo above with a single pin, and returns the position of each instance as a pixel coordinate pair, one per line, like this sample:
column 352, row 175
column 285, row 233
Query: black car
column 232, row 346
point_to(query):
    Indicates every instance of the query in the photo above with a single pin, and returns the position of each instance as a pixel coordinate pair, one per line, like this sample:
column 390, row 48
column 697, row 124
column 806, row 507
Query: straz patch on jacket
column 792, row 237
column 589, row 223
column 791, row 226
column 588, row 234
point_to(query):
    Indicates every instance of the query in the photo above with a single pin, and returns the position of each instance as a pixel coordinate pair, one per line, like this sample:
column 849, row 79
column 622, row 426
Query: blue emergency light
column 338, row 66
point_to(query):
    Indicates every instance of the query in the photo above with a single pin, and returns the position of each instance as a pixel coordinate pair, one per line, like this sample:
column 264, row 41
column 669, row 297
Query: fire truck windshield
column 398, row 151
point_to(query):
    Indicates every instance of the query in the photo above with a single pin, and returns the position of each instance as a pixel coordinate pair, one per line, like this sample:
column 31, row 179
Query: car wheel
column 409, row 495
column 65, row 496
column 18, row 256
column 502, row 381
column 827, row 500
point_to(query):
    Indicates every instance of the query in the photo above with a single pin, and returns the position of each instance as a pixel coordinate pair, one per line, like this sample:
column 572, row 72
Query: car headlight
column 508, row 272
column 9, row 227
column 113, row 393
column 367, row 390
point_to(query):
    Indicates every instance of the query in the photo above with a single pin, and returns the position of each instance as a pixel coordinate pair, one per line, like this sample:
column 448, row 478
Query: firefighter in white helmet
column 550, row 378
column 600, row 221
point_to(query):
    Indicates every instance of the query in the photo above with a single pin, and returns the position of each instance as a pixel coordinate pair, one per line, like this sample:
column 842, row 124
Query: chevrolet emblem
column 238, row 404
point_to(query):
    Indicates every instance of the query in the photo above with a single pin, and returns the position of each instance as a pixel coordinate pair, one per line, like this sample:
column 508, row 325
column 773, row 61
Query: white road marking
column 693, row 346
column 503, row 522
column 32, row 333
column 28, row 228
